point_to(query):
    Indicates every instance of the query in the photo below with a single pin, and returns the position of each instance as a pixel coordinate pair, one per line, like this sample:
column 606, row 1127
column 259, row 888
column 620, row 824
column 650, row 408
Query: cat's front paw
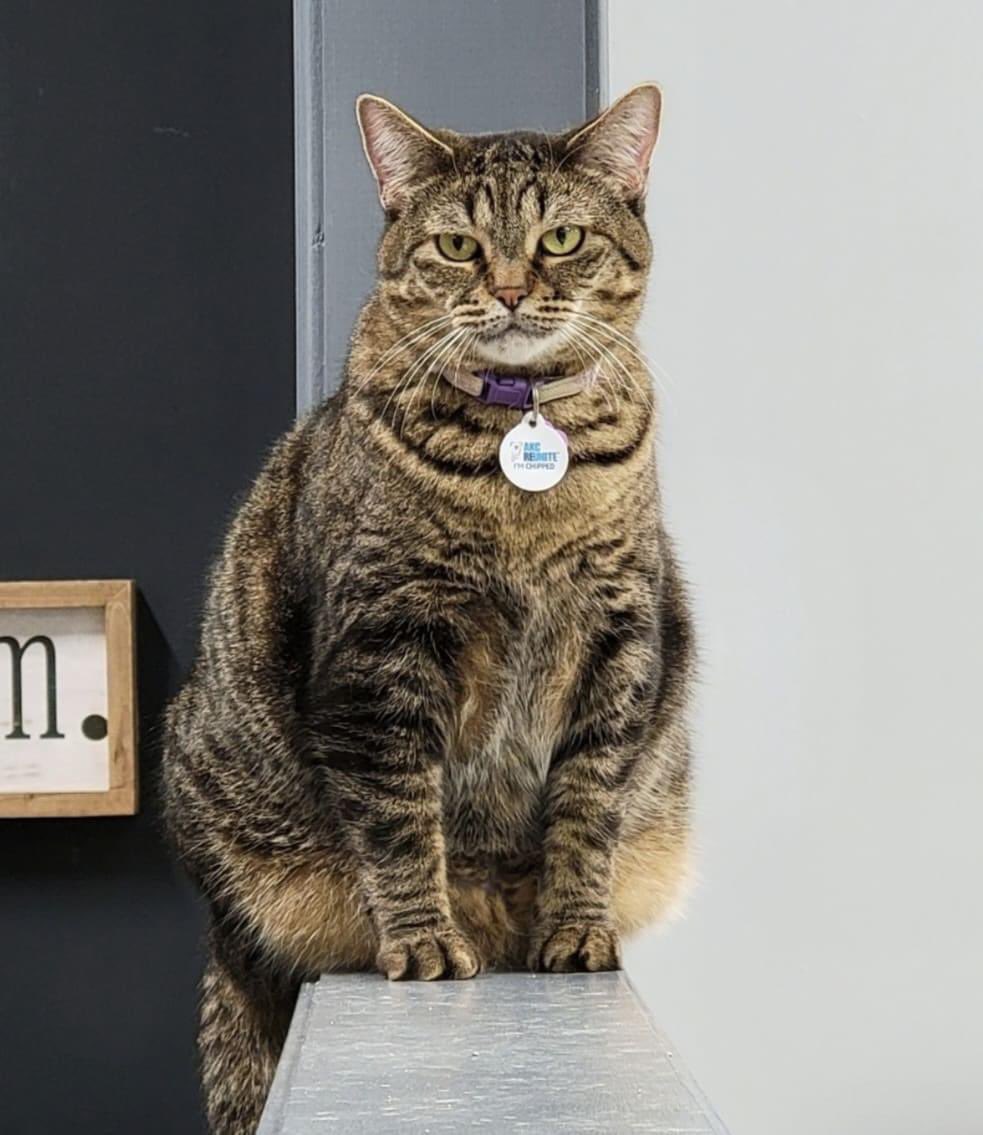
column 427, row 955
column 570, row 946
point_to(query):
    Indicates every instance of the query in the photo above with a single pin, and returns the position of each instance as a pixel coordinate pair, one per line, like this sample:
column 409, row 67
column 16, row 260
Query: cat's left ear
column 620, row 141
column 400, row 150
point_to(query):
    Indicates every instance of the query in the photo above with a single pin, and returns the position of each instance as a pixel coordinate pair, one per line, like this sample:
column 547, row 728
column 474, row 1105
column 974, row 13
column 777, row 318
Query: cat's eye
column 458, row 246
column 562, row 240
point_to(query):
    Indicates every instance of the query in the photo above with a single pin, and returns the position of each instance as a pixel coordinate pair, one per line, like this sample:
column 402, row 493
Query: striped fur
column 436, row 723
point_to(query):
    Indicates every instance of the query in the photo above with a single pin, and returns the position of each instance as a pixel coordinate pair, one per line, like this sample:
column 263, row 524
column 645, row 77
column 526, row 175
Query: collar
column 510, row 390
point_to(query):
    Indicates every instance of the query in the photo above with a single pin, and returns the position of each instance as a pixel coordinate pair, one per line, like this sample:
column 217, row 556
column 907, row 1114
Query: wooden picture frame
column 116, row 599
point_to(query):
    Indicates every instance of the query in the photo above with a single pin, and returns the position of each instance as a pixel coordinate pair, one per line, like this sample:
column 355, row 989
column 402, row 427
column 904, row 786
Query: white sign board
column 67, row 699
column 54, row 706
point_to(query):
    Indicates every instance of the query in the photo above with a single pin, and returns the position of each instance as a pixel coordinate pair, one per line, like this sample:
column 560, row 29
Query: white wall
column 817, row 204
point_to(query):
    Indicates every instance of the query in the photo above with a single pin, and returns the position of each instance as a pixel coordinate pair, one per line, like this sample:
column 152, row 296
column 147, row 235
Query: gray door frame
column 457, row 63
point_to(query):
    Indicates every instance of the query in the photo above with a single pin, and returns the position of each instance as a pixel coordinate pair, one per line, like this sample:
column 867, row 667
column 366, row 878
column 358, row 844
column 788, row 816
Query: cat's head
column 520, row 247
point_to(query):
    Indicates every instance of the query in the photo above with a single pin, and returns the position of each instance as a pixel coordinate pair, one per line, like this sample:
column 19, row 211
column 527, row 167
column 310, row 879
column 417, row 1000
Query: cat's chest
column 513, row 691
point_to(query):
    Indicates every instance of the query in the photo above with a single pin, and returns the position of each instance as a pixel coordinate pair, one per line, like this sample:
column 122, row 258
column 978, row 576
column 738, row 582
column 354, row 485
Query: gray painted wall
column 471, row 67
column 817, row 304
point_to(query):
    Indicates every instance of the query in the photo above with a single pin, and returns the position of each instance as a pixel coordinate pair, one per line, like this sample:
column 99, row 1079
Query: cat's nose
column 511, row 297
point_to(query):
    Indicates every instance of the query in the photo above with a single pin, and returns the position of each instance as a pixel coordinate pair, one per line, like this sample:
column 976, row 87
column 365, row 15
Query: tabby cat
column 436, row 723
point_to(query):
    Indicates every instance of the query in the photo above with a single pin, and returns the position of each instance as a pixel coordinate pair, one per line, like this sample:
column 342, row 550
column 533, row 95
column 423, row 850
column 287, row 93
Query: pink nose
column 511, row 297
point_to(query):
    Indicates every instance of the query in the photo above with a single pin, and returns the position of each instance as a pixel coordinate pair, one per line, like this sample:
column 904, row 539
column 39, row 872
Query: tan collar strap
column 511, row 390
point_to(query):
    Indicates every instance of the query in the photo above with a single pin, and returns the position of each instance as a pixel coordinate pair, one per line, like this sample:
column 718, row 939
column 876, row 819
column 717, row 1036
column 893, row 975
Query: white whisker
column 455, row 359
column 403, row 344
column 571, row 335
column 607, row 350
column 659, row 374
column 624, row 379
column 414, row 368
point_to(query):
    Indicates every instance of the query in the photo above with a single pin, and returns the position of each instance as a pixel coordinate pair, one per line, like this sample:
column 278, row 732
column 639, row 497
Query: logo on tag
column 534, row 457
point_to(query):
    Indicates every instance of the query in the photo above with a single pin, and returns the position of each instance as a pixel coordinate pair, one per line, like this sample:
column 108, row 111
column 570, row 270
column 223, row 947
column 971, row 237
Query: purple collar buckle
column 506, row 390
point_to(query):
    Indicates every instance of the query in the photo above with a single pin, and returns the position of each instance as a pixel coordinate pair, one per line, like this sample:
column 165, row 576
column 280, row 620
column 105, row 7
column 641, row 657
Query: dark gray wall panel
column 146, row 362
column 469, row 66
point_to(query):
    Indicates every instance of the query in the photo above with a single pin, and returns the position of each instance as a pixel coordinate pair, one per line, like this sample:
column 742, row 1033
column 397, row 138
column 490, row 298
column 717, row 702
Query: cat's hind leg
column 245, row 1013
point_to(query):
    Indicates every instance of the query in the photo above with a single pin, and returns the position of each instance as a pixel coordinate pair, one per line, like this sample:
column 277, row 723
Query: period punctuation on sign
column 95, row 727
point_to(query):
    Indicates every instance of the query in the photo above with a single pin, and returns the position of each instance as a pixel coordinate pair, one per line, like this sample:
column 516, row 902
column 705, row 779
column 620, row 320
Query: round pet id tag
column 534, row 457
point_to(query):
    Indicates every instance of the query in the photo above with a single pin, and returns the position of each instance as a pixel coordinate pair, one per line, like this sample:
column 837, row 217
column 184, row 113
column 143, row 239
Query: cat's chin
column 516, row 348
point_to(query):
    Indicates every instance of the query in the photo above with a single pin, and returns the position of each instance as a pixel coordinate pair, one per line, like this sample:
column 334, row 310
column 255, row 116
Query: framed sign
column 67, row 699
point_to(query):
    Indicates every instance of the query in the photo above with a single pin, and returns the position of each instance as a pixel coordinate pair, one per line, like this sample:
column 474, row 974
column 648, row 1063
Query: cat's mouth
column 520, row 323
column 508, row 329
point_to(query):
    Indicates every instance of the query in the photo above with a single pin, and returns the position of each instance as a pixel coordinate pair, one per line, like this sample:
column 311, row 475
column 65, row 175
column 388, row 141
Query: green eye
column 457, row 246
column 562, row 240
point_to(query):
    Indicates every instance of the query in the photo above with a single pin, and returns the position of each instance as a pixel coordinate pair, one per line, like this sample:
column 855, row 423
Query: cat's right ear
column 400, row 151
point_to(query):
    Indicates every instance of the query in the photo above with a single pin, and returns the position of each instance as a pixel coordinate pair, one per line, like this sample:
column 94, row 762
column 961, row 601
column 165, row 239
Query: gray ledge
column 501, row 1053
